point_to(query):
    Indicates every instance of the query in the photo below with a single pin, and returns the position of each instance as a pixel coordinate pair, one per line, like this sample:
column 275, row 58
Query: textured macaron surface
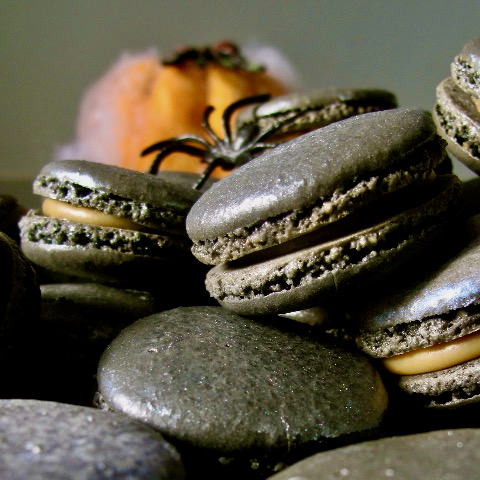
column 323, row 271
column 217, row 382
column 317, row 108
column 55, row 441
column 458, row 122
column 154, row 201
column 313, row 180
column 450, row 388
column 452, row 454
column 465, row 69
column 435, row 306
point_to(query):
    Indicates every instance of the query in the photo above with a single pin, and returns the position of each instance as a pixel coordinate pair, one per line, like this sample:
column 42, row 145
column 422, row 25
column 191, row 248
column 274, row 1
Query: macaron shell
column 452, row 387
column 55, row 440
column 321, row 107
column 157, row 201
column 292, row 178
column 226, row 386
column 465, row 69
column 458, row 121
column 313, row 275
column 100, row 253
column 443, row 299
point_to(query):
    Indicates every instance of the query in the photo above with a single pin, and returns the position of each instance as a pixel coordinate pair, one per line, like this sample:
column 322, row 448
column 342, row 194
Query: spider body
column 227, row 152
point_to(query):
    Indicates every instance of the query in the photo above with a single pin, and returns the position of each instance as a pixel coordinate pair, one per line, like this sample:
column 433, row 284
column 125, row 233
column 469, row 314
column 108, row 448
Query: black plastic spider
column 228, row 152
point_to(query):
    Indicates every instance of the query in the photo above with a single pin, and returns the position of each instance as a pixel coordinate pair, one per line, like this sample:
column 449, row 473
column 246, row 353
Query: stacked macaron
column 110, row 245
column 313, row 109
column 426, row 328
column 305, row 221
column 456, row 110
column 110, row 225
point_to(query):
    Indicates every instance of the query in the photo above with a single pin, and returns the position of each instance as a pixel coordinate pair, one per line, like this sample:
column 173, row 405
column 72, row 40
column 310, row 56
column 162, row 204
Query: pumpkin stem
column 224, row 53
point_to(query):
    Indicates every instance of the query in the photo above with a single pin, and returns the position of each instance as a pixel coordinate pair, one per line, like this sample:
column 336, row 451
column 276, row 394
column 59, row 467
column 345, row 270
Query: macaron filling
column 139, row 211
column 58, row 209
column 435, row 357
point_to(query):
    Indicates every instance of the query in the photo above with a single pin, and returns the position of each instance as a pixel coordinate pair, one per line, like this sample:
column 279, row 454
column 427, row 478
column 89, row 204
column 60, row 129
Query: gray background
column 52, row 50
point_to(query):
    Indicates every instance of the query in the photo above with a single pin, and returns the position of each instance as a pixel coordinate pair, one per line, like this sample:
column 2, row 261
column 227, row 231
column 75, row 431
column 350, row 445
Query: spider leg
column 206, row 173
column 228, row 112
column 182, row 138
column 173, row 147
column 206, row 125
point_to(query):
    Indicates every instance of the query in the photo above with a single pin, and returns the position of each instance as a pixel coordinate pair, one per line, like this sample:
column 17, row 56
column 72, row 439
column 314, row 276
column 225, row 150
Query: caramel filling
column 436, row 357
column 57, row 209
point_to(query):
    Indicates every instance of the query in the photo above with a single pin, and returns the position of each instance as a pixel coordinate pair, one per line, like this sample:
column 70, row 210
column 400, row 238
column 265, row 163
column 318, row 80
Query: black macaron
column 303, row 111
column 306, row 219
column 457, row 105
column 240, row 398
column 426, row 327
column 41, row 440
column 109, row 224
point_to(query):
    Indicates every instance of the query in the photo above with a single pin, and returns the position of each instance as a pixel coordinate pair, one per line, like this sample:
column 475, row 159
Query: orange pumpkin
column 141, row 101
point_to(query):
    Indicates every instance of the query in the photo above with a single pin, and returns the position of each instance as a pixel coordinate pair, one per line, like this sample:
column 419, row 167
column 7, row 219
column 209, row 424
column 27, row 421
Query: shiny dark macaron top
column 440, row 303
column 161, row 201
column 109, row 224
column 426, row 328
column 313, row 180
column 439, row 454
column 314, row 109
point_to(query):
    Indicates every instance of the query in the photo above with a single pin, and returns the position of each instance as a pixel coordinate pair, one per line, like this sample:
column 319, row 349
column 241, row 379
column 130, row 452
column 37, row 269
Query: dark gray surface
column 443, row 454
column 220, row 385
column 40, row 440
